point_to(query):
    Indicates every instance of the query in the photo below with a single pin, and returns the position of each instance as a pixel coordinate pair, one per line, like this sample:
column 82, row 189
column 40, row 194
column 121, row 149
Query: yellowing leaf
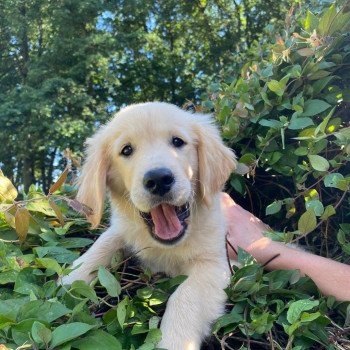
column 22, row 223
column 10, row 219
column 7, row 190
column 57, row 211
column 59, row 182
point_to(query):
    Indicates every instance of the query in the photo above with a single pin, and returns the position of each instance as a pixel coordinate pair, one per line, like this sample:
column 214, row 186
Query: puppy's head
column 156, row 160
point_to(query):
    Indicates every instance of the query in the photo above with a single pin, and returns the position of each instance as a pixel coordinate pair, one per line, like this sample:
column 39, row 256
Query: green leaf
column 108, row 281
column 273, row 208
column 318, row 74
column 314, row 107
column 98, row 340
column 214, row 87
column 322, row 126
column 153, row 322
column 248, row 159
column 271, row 123
column 83, row 289
column 49, row 264
column 60, row 254
column 235, row 316
column 307, row 317
column 40, row 333
column 238, row 183
column 331, row 180
column 311, row 22
column 301, row 151
column 41, row 206
column 326, row 20
column 27, row 282
column 297, row 307
column 320, row 84
column 318, row 163
column 46, row 311
column 121, row 311
column 153, row 336
column 329, row 211
column 307, row 222
column 277, row 87
column 316, row 205
column 300, row 123
column 9, row 308
column 67, row 332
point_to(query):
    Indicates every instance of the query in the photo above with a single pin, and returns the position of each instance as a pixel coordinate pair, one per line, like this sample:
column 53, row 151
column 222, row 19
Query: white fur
column 200, row 168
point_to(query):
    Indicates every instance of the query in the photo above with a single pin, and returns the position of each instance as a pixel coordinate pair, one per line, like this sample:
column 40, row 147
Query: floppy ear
column 93, row 178
column 215, row 161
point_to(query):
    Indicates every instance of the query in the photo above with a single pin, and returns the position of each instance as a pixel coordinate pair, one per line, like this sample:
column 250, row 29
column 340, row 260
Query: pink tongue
column 166, row 222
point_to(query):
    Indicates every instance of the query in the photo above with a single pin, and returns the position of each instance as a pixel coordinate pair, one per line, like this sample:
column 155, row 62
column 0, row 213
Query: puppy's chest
column 161, row 260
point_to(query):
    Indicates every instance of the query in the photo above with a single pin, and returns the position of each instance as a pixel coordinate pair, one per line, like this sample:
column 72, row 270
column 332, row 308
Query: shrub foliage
column 287, row 118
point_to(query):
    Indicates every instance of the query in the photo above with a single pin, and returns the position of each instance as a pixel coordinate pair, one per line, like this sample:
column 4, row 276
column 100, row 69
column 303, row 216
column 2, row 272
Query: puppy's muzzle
column 159, row 181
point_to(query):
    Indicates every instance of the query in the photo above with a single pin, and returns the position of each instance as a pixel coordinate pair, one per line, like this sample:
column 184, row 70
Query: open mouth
column 167, row 223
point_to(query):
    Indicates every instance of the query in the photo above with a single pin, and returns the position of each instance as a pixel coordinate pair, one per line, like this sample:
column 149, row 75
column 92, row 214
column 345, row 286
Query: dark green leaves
column 273, row 208
column 40, row 333
column 66, row 332
column 314, row 107
column 98, row 340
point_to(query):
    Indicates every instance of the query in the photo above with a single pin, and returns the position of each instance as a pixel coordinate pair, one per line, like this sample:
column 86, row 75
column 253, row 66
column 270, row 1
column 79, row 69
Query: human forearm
column 331, row 277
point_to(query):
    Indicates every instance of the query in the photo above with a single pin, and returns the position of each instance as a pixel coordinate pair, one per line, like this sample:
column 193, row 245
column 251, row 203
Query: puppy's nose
column 158, row 181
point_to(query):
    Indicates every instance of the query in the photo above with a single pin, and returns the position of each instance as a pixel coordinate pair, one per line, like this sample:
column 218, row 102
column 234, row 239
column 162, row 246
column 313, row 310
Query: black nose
column 158, row 181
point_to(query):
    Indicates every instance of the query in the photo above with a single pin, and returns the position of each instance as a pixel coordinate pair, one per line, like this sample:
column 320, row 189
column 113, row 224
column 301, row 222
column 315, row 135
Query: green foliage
column 287, row 117
column 36, row 313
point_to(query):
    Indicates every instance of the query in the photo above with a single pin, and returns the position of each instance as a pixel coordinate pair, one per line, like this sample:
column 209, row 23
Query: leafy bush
column 286, row 118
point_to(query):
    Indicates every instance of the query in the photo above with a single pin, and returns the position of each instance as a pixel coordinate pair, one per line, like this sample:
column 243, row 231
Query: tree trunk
column 27, row 173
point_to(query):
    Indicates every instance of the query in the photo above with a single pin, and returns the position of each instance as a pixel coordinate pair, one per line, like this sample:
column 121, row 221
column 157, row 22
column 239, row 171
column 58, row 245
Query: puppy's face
column 154, row 164
column 157, row 160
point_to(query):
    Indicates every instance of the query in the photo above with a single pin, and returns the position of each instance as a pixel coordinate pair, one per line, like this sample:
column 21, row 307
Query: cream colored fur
column 201, row 168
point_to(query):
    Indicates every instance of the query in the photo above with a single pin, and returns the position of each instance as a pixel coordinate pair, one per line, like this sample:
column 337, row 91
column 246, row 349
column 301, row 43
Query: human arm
column 246, row 231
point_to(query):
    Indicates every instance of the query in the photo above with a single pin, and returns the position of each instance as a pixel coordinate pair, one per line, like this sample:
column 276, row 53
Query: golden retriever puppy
column 164, row 169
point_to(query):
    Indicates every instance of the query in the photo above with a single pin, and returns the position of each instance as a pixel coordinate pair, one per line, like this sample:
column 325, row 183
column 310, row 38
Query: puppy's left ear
column 215, row 161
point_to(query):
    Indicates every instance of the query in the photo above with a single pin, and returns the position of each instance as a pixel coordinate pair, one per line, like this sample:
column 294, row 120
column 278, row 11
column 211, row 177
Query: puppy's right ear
column 93, row 177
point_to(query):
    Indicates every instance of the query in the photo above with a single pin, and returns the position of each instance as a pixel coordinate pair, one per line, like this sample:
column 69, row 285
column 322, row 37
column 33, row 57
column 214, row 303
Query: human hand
column 244, row 229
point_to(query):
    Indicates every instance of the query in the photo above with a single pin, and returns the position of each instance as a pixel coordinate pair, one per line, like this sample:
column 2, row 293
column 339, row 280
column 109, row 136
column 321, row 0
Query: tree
column 54, row 83
column 66, row 66
column 170, row 50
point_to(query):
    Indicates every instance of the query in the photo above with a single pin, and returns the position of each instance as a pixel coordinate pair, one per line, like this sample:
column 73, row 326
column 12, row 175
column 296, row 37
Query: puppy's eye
column 177, row 142
column 127, row 151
